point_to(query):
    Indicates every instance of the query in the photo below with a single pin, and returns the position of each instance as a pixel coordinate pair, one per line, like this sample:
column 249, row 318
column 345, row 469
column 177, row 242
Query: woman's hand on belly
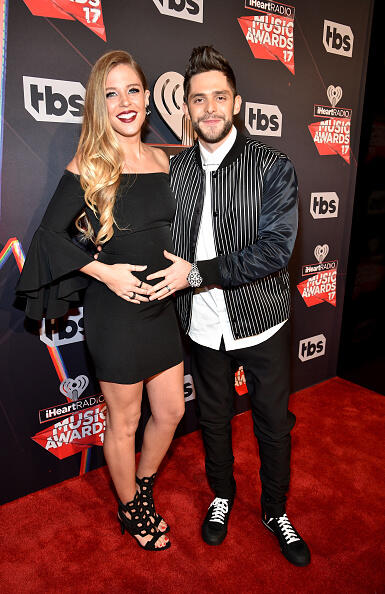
column 120, row 280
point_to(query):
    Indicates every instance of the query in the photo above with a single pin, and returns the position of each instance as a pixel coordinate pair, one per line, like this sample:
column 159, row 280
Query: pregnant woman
column 116, row 189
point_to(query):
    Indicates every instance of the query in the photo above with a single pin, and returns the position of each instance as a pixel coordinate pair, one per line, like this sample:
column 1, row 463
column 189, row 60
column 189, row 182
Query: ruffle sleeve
column 50, row 281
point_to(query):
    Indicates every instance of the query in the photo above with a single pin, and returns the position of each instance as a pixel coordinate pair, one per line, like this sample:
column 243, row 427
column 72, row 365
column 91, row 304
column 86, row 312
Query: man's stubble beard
column 212, row 139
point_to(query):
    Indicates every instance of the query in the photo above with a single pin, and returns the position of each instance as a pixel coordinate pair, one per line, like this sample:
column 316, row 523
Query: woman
column 117, row 189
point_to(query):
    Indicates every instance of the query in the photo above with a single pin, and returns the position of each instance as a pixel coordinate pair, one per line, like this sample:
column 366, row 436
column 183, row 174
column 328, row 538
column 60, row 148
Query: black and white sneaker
column 214, row 527
column 293, row 547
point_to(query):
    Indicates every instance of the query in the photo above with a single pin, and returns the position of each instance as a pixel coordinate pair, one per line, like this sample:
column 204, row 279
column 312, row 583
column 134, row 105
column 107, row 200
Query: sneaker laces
column 220, row 509
column 287, row 529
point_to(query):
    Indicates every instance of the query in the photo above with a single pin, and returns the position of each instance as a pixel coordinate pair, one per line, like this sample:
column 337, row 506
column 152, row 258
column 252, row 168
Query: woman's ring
column 132, row 296
column 168, row 288
column 140, row 284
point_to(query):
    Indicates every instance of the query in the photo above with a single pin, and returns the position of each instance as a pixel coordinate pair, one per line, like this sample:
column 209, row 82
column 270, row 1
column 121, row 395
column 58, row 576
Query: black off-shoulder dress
column 128, row 342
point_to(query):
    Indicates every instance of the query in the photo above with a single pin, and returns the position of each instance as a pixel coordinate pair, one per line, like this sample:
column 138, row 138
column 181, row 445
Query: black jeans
column 269, row 365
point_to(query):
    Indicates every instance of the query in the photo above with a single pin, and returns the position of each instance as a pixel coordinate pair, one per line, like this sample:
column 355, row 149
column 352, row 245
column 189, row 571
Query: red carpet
column 66, row 539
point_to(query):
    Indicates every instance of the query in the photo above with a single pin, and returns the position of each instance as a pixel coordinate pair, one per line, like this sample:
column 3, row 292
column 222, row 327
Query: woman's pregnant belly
column 143, row 248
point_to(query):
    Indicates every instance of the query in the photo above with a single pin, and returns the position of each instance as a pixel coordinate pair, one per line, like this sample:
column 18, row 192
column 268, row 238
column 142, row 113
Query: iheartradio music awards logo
column 87, row 12
column 270, row 34
column 74, row 433
column 73, row 389
column 321, row 284
column 332, row 135
column 168, row 99
column 80, row 422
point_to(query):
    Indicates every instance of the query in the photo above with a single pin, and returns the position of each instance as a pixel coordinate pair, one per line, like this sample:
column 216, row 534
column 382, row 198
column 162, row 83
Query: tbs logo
column 324, row 205
column 63, row 331
column 338, row 39
column 192, row 10
column 49, row 100
column 263, row 120
column 189, row 390
column 310, row 348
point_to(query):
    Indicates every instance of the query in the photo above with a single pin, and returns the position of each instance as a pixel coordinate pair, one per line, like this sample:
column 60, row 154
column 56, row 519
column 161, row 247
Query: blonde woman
column 116, row 189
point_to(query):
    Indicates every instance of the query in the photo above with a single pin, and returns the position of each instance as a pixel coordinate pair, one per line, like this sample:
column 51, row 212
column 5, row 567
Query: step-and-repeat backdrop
column 301, row 72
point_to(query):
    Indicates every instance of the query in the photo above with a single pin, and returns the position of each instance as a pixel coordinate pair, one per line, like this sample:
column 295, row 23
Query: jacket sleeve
column 277, row 231
column 50, row 280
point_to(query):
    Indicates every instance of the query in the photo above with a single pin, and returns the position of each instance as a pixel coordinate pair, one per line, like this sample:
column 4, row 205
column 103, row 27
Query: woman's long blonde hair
column 100, row 159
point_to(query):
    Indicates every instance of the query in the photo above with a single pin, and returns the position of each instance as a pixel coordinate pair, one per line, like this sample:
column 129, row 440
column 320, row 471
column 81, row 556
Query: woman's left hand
column 174, row 277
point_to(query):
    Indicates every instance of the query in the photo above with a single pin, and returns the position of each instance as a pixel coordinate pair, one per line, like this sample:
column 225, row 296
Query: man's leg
column 269, row 364
column 214, row 382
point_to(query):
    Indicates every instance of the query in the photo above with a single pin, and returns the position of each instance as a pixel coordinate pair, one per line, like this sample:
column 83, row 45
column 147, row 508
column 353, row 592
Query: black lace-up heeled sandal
column 146, row 485
column 140, row 524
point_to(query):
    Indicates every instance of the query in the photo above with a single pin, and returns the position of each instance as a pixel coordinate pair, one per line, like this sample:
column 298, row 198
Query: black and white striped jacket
column 254, row 212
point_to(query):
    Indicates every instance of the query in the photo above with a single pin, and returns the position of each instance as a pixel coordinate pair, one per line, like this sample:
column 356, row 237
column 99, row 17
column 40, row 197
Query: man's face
column 211, row 106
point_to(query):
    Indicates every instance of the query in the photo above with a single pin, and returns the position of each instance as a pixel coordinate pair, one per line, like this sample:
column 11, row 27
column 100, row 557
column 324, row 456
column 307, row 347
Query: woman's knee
column 170, row 415
column 179, row 411
column 123, row 426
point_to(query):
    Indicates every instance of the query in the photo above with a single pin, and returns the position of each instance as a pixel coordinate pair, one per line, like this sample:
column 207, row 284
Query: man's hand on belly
column 174, row 277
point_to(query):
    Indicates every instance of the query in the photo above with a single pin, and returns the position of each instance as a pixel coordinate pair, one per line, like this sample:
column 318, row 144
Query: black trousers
column 269, row 365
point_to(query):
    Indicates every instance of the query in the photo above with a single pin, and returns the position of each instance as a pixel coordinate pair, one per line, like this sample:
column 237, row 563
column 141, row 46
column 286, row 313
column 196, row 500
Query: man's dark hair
column 203, row 59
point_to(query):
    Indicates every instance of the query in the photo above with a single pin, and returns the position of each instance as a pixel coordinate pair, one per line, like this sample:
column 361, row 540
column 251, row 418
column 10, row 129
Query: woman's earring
column 148, row 111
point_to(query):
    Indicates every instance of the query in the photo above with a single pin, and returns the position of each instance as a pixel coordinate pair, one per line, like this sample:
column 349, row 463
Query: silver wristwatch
column 194, row 277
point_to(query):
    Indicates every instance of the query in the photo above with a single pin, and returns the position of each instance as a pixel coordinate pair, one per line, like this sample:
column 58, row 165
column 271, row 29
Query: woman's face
column 126, row 101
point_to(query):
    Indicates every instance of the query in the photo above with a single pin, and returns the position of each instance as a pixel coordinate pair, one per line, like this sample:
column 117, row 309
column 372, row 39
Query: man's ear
column 237, row 104
column 185, row 110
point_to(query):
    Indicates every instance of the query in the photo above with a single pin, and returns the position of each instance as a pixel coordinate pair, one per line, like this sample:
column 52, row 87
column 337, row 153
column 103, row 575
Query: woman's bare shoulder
column 73, row 165
column 161, row 158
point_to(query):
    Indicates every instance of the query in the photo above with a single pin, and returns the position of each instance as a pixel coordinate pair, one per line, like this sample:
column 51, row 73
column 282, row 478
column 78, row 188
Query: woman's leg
column 123, row 403
column 166, row 396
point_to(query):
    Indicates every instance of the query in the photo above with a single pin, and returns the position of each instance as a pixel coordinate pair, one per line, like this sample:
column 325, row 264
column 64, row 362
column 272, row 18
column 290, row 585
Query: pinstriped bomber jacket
column 255, row 218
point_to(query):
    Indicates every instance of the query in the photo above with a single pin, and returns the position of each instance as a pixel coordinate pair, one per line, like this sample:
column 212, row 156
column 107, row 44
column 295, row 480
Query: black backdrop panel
column 52, row 428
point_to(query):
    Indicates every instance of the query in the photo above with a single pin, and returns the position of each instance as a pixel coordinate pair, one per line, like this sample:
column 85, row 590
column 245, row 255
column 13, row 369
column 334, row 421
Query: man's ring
column 168, row 288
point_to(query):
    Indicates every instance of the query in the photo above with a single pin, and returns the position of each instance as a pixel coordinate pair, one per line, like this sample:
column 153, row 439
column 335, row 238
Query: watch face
column 194, row 278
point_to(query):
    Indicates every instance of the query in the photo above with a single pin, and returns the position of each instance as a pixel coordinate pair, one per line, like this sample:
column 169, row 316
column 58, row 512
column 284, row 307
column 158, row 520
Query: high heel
column 139, row 524
column 146, row 484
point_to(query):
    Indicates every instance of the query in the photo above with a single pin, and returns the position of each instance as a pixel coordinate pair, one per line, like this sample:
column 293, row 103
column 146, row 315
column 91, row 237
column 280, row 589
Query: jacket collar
column 233, row 154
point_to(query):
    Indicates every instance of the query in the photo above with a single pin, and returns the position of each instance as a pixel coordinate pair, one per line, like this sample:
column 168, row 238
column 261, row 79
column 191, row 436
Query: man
column 234, row 232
